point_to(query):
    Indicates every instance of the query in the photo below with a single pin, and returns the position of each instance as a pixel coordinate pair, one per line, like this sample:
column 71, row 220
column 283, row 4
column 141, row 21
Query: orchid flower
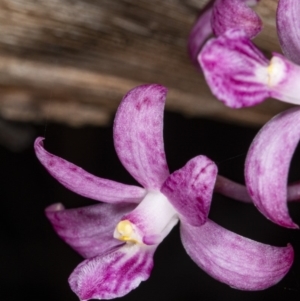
column 219, row 16
column 118, row 238
column 240, row 75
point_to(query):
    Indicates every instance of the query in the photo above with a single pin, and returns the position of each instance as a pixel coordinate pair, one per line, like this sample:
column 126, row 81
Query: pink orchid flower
column 118, row 238
column 241, row 76
column 219, row 16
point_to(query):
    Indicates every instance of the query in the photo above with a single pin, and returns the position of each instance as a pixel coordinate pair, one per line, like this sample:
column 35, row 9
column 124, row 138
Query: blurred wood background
column 71, row 61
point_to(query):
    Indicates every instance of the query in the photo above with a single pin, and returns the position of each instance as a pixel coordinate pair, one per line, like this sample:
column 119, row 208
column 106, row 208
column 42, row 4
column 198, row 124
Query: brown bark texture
column 71, row 61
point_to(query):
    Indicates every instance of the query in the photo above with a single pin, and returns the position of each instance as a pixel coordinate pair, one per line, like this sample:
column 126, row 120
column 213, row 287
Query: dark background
column 35, row 263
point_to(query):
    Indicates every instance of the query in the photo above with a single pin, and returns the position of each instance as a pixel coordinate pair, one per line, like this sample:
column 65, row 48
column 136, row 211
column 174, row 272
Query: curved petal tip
column 83, row 183
column 267, row 166
column 235, row 260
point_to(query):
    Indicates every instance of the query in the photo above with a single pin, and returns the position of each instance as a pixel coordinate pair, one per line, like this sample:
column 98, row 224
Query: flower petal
column 228, row 14
column 267, row 165
column 288, row 28
column 138, row 135
column 235, row 70
column 114, row 274
column 78, row 180
column 88, row 230
column 200, row 32
column 235, row 260
column 190, row 189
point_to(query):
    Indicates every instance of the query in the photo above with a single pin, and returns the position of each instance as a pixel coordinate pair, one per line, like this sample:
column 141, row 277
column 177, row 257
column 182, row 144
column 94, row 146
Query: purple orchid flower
column 118, row 238
column 240, row 76
column 219, row 16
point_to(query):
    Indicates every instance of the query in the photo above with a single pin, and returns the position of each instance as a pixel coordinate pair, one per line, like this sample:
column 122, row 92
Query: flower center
column 276, row 71
column 125, row 232
column 149, row 222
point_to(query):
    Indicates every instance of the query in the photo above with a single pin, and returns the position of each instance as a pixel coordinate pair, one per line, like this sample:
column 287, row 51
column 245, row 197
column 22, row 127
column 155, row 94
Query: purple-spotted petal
column 78, row 180
column 200, row 32
column 267, row 166
column 235, row 260
column 235, row 70
column 288, row 28
column 88, row 230
column 230, row 14
column 138, row 135
column 114, row 274
column 190, row 189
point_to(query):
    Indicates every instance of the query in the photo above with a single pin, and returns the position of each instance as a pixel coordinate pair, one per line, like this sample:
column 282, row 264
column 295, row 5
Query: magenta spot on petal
column 138, row 106
column 147, row 101
column 51, row 163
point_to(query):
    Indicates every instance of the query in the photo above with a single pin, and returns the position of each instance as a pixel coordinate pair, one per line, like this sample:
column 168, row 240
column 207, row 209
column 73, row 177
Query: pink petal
column 235, row 260
column 138, row 135
column 235, row 70
column 78, row 180
column 200, row 32
column 114, row 274
column 88, row 230
column 267, row 166
column 228, row 14
column 190, row 189
column 288, row 28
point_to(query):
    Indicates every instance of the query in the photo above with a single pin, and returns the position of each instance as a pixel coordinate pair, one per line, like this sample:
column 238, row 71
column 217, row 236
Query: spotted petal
column 235, row 70
column 114, row 274
column 138, row 135
column 190, row 189
column 78, row 180
column 230, row 14
column 235, row 260
column 88, row 230
column 288, row 28
column 267, row 166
